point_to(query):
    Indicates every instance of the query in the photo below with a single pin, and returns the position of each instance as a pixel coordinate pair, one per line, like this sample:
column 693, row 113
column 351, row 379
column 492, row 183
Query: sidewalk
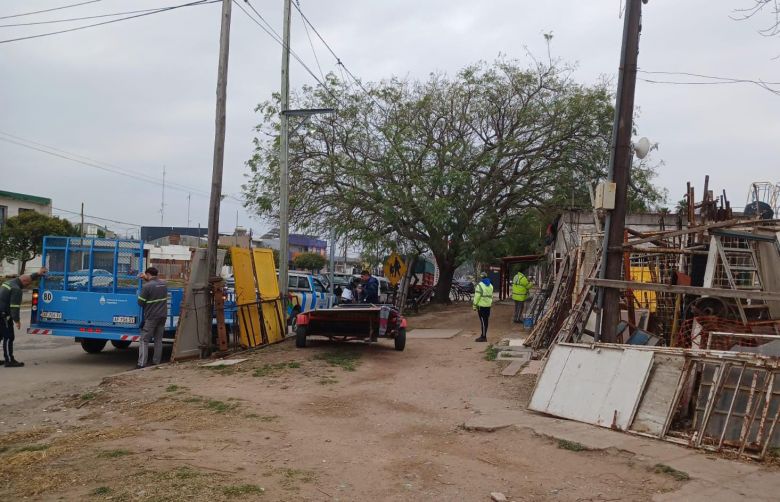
column 712, row 479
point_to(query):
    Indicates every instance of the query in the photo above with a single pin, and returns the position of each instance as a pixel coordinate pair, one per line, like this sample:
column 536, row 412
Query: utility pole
column 206, row 307
column 162, row 204
column 283, row 158
column 619, row 169
column 189, row 199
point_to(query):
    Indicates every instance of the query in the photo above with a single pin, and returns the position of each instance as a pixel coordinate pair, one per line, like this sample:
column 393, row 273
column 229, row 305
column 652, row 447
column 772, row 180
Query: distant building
column 172, row 262
column 239, row 239
column 12, row 204
column 299, row 243
column 95, row 230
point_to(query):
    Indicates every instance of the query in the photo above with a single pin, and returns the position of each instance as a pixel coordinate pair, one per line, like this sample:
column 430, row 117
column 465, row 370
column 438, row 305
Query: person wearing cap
column 10, row 305
column 154, row 300
column 483, row 300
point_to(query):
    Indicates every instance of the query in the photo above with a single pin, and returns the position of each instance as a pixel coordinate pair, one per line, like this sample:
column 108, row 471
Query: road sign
column 395, row 269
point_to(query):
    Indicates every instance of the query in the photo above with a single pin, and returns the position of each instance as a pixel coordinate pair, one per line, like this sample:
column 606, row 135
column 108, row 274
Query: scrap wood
column 686, row 290
column 699, row 229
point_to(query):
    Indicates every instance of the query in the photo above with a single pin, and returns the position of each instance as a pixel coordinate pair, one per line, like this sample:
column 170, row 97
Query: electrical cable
column 78, row 213
column 49, row 10
column 164, row 9
column 311, row 44
column 83, row 18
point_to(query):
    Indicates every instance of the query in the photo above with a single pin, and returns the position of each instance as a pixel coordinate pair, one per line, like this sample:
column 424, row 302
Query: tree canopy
column 448, row 165
column 21, row 238
column 309, row 261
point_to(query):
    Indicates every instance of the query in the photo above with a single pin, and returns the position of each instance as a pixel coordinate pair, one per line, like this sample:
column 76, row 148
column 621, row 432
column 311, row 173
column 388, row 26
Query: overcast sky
column 140, row 94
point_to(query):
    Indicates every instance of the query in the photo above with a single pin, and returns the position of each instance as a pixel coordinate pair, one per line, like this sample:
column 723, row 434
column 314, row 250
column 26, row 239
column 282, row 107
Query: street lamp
column 284, row 201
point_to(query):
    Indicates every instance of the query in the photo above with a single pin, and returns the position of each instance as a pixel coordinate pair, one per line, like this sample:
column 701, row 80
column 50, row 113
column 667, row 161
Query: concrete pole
column 619, row 169
column 284, row 245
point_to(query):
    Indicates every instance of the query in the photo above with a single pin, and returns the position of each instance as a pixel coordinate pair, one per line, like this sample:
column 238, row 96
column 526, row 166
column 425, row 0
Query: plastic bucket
column 528, row 322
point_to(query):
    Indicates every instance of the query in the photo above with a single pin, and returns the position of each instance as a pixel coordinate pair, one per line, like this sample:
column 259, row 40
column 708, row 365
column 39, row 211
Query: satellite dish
column 641, row 148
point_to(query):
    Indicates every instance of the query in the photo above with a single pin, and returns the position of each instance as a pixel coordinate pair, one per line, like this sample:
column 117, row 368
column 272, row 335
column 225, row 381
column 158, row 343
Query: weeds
column 34, row 447
column 571, row 445
column 89, row 396
column 273, row 369
column 220, row 406
column 239, row 490
column 172, row 388
column 348, row 361
column 193, row 399
column 327, row 380
column 114, row 453
column 491, row 352
column 671, row 471
column 186, row 473
column 101, row 490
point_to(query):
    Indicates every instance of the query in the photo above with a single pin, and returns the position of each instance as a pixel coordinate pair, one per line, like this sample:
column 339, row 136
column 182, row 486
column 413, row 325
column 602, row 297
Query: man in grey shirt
column 154, row 300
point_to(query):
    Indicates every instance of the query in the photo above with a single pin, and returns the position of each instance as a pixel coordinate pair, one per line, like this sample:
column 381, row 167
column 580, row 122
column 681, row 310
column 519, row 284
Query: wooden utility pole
column 219, row 157
column 619, row 169
column 284, row 179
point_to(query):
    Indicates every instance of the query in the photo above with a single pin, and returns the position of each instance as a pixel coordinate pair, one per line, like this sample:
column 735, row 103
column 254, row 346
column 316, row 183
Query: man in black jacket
column 10, row 304
column 154, row 300
column 370, row 287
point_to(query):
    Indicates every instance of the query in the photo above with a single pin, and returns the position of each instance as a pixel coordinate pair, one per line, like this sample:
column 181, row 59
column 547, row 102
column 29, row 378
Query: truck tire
column 93, row 345
column 120, row 344
column 400, row 339
column 300, row 337
column 293, row 321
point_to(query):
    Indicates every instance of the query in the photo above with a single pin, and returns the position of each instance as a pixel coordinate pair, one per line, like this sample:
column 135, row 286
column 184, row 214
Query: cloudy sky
column 138, row 96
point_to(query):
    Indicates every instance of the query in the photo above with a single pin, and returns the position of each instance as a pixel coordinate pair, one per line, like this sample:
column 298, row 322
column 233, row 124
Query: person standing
column 349, row 293
column 483, row 300
column 154, row 300
column 520, row 287
column 10, row 305
column 370, row 292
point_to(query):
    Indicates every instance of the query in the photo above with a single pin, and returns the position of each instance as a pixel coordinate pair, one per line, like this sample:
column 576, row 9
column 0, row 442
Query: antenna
column 189, row 198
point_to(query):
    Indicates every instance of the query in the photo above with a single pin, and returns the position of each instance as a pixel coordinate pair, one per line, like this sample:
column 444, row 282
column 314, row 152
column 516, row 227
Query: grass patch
column 193, row 399
column 220, row 406
column 671, row 471
column 291, row 478
column 101, row 490
column 491, row 352
column 34, row 447
column 114, row 453
column 571, row 445
column 239, row 490
column 346, row 360
column 185, row 473
column 273, row 369
column 172, row 388
column 327, row 380
column 89, row 396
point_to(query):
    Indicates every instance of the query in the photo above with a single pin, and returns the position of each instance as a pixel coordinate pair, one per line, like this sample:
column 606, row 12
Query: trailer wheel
column 400, row 339
column 120, row 344
column 92, row 345
column 300, row 337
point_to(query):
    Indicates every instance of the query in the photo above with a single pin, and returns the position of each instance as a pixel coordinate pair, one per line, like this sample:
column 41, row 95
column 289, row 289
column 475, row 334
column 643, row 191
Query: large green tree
column 449, row 165
column 21, row 238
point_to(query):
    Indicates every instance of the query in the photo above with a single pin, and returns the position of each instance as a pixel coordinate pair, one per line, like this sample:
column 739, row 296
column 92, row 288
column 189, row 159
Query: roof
column 41, row 201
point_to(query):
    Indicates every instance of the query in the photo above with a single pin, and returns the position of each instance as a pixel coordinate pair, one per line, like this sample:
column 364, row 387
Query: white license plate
column 51, row 316
column 124, row 319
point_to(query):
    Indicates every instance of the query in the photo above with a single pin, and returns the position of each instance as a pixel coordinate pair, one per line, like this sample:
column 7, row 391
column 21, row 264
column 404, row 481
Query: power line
column 709, row 80
column 83, row 18
column 278, row 39
column 311, row 44
column 164, row 9
column 338, row 59
column 49, row 10
column 97, row 217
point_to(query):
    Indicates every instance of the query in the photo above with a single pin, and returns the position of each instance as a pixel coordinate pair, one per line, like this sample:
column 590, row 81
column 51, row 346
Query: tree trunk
column 22, row 266
column 446, row 271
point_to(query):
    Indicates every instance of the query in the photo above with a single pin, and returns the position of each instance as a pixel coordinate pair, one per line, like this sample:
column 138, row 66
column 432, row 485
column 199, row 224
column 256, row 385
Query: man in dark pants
column 370, row 287
column 10, row 304
column 483, row 300
column 154, row 300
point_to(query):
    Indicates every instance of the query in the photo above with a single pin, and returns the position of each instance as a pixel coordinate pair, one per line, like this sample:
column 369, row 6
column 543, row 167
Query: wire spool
column 761, row 209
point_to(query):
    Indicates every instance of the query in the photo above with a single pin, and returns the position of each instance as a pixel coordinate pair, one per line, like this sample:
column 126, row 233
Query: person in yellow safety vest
column 520, row 288
column 483, row 300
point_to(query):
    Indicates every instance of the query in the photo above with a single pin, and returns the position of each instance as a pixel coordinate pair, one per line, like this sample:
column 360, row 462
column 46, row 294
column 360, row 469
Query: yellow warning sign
column 395, row 269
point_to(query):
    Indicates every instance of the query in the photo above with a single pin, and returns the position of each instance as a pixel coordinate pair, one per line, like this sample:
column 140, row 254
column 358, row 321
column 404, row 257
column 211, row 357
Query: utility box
column 605, row 195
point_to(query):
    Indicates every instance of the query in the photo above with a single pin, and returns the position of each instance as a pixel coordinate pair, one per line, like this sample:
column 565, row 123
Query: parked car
column 100, row 279
column 308, row 293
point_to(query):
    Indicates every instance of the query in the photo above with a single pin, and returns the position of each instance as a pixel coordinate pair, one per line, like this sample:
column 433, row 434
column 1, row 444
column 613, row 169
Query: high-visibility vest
column 483, row 295
column 520, row 287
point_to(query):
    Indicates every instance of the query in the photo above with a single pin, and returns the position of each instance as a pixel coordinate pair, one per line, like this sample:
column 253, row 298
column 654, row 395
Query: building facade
column 11, row 204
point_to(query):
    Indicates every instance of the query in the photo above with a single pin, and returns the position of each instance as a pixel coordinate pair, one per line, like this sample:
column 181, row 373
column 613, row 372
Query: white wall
column 13, row 206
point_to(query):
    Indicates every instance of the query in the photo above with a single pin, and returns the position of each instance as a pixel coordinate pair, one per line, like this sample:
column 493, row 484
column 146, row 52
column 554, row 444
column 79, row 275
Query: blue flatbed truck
column 90, row 293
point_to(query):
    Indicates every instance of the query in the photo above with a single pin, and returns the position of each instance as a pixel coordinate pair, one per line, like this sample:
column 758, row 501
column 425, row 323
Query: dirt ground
column 328, row 422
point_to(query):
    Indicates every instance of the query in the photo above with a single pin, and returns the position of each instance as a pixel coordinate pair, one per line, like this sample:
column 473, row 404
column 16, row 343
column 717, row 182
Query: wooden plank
column 685, row 290
column 699, row 229
column 658, row 396
column 596, row 386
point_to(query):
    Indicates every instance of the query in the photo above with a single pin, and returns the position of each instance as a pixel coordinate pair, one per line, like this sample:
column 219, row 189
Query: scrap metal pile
column 700, row 309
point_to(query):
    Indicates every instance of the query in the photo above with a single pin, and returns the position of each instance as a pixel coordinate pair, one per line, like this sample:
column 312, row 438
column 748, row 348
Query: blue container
column 528, row 322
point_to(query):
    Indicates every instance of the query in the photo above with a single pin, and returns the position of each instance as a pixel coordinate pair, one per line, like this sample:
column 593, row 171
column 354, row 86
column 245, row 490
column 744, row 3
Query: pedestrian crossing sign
column 395, row 269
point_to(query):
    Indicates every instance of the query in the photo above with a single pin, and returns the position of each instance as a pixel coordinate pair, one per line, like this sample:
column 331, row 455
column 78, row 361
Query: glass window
column 318, row 286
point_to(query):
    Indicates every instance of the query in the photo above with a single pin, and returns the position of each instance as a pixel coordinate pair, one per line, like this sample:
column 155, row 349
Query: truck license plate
column 51, row 316
column 124, row 319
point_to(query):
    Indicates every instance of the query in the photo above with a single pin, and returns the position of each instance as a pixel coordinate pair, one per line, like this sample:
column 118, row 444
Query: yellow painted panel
column 248, row 317
column 274, row 316
column 646, row 299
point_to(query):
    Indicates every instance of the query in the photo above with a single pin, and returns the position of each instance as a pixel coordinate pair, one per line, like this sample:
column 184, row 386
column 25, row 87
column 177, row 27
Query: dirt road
column 329, row 422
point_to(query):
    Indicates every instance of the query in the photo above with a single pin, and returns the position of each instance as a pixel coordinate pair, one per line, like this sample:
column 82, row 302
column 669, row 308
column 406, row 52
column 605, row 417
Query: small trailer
column 352, row 322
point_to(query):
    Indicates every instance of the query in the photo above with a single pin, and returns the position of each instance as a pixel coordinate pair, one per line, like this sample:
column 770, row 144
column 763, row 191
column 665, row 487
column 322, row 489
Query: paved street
column 57, row 364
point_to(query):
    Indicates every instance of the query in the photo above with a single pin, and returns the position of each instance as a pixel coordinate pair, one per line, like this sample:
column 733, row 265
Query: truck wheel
column 120, row 344
column 92, row 345
column 294, row 319
column 300, row 337
column 400, row 339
